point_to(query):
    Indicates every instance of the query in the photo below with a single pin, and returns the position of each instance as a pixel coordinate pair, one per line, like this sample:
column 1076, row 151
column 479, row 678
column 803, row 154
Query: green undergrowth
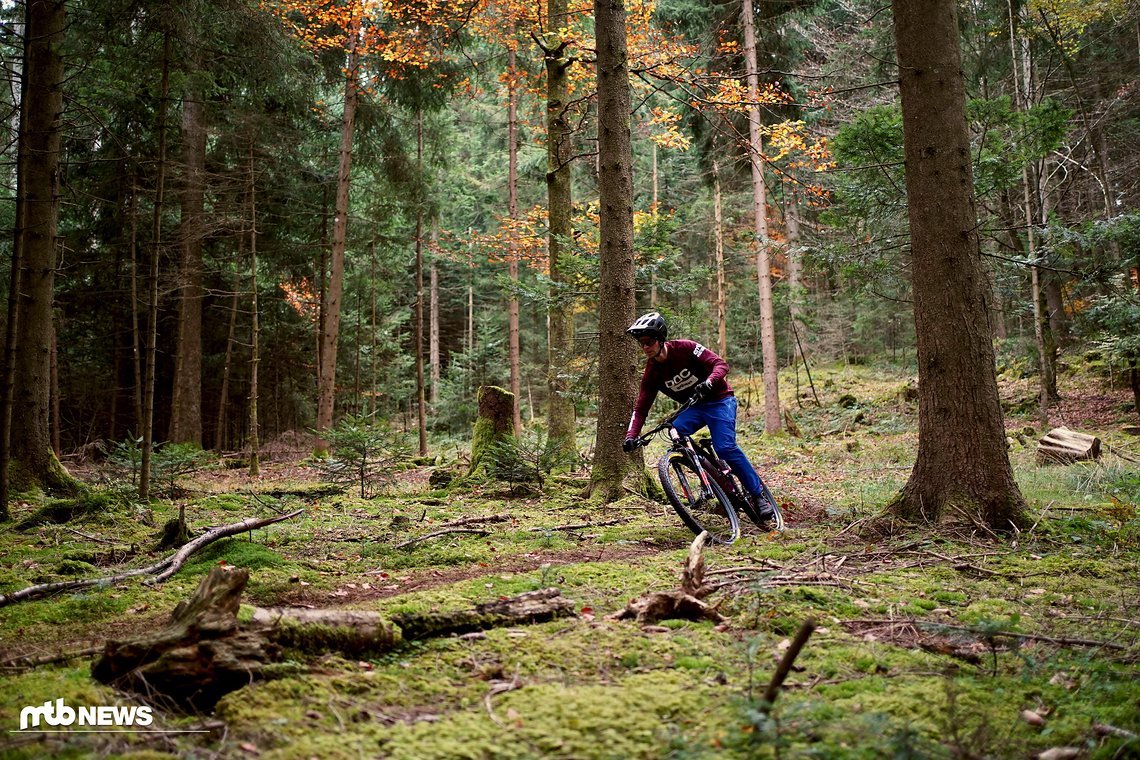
column 926, row 646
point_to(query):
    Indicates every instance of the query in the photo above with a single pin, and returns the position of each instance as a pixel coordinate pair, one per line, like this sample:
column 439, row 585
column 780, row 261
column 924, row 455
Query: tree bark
column 186, row 401
column 962, row 460
column 772, row 418
column 33, row 462
column 493, row 424
column 617, row 359
column 560, row 412
column 330, row 329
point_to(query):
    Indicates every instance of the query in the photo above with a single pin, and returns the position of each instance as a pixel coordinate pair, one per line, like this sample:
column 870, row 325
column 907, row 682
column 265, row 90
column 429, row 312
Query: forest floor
column 963, row 645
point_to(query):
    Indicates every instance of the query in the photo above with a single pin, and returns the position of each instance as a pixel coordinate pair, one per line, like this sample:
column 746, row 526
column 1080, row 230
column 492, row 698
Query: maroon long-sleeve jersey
column 686, row 364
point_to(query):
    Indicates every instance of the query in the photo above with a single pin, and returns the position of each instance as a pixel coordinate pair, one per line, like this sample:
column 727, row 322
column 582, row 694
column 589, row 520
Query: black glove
column 702, row 391
column 629, row 444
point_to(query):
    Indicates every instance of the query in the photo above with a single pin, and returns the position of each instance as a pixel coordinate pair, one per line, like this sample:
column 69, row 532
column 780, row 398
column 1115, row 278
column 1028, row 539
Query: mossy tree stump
column 494, row 424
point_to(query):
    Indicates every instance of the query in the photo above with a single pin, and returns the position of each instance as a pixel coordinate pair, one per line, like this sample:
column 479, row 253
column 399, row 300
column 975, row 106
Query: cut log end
column 1064, row 446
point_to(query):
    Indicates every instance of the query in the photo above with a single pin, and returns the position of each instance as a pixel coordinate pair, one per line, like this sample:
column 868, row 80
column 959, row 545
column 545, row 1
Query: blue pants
column 720, row 416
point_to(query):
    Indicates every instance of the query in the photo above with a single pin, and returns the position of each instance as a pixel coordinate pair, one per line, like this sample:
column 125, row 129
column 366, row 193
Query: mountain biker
column 683, row 370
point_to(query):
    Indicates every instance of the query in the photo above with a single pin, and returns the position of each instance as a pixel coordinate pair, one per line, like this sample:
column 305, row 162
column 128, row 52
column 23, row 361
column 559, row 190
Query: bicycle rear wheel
column 699, row 511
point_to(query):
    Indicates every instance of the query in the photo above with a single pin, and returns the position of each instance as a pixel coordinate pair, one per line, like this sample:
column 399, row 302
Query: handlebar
column 644, row 438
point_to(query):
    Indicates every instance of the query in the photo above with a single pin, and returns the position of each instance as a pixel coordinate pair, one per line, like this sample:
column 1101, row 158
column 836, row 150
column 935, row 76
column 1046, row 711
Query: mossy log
column 494, row 424
column 532, row 607
column 205, row 652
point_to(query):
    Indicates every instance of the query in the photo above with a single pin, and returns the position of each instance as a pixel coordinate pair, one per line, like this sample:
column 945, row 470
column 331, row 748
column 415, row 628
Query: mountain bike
column 702, row 488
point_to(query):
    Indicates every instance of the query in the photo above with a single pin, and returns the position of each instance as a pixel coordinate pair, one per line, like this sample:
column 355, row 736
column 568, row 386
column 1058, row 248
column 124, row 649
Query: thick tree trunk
column 772, row 419
column 617, row 358
column 962, row 459
column 186, row 402
column 33, row 463
column 560, row 407
column 330, row 330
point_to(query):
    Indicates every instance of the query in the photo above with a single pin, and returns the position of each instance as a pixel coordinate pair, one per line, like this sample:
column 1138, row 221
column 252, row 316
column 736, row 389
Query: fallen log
column 531, row 607
column 205, row 652
column 1064, row 446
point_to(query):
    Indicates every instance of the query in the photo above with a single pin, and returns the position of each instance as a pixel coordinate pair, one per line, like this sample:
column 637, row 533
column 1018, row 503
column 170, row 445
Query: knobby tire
column 676, row 470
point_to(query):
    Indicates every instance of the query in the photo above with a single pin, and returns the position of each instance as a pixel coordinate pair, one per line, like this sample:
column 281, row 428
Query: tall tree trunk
column 373, row 385
column 136, row 333
column 718, row 257
column 421, row 401
column 560, row 407
column 53, row 391
column 433, row 340
column 617, row 360
column 34, row 462
column 653, row 211
column 962, row 463
column 254, row 329
column 15, row 275
column 795, row 270
column 227, row 365
column 186, row 400
column 150, row 353
column 772, row 419
column 512, row 260
column 330, row 333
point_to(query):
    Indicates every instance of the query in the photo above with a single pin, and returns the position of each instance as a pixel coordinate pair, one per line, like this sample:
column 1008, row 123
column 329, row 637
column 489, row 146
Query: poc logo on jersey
column 59, row 713
column 681, row 381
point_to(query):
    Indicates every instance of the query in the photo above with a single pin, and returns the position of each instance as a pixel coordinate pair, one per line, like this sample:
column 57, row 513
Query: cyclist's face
column 649, row 346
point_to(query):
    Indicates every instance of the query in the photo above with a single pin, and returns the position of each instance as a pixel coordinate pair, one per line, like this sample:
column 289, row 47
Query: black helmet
column 649, row 325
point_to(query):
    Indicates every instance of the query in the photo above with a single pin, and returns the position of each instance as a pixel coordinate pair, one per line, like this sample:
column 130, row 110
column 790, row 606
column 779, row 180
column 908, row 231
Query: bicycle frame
column 684, row 443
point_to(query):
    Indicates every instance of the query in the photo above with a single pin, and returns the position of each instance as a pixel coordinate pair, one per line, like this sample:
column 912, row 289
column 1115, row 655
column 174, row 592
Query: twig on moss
column 786, row 661
column 474, row 520
column 438, row 533
column 580, row 526
column 162, row 569
column 246, row 525
column 1059, row 641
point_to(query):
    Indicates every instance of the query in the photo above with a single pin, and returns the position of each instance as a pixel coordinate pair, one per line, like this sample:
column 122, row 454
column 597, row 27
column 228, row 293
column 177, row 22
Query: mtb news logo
column 59, row 714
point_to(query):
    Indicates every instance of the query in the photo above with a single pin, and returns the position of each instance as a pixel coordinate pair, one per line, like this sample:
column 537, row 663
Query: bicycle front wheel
column 771, row 521
column 698, row 509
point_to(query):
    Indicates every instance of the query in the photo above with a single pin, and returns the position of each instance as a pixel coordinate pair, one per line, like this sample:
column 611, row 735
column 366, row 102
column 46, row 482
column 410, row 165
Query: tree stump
column 494, row 424
column 1064, row 446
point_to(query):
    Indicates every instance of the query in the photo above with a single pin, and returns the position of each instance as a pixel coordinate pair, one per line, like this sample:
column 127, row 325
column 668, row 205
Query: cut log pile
column 1064, row 446
column 204, row 652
